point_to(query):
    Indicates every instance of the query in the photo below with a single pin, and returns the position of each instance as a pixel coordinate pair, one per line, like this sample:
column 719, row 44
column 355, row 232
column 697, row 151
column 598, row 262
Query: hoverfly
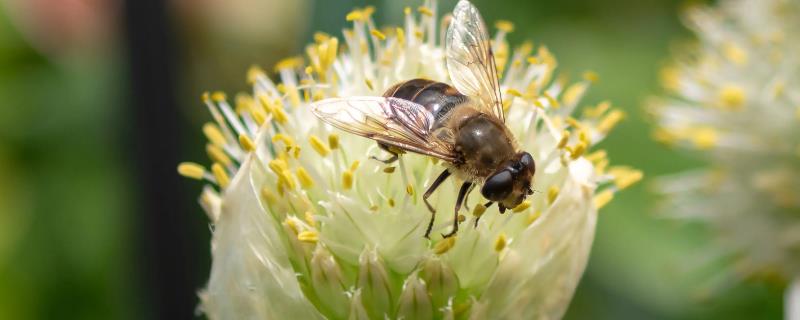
column 462, row 125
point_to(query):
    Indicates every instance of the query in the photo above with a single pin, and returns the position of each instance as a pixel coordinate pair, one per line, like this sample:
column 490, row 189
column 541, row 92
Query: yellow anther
column 269, row 196
column 514, row 92
column 191, row 170
column 218, row 96
column 389, row 169
column 504, row 25
column 305, row 179
column 330, row 53
column 368, row 11
column 213, row 134
column 583, row 136
column 500, row 243
column 355, row 15
column 287, row 140
column 596, row 156
column 553, row 102
column 347, row 180
column 732, row 97
column 418, row 34
column 522, row 206
column 374, row 208
column 319, row 146
column 291, row 224
column 664, row 136
column 610, row 120
column 277, row 166
column 601, row 166
column 574, row 123
column 286, row 177
column 625, row 177
column 216, row 154
column 670, row 77
column 445, row 245
column 574, row 93
column 479, row 210
column 254, row 73
column 258, row 116
column 597, row 111
column 378, row 34
column 294, row 95
column 704, row 137
column 407, row 10
column 244, row 104
column 461, row 218
column 281, row 170
column 333, row 141
column 247, row 143
column 391, row 202
column 425, row 11
column 354, row 165
column 308, row 236
column 507, row 104
column 309, row 217
column 591, row 76
column 533, row 217
column 603, row 198
column 369, row 84
column 289, row 63
column 206, row 97
column 734, row 53
column 410, row 189
column 296, row 152
column 578, row 150
column 320, row 36
column 275, row 108
column 552, row 194
column 309, row 70
column 400, row 34
column 564, row 139
column 220, row 175
column 533, row 60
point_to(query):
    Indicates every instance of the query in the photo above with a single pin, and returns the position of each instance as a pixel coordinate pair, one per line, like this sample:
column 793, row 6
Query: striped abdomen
column 438, row 97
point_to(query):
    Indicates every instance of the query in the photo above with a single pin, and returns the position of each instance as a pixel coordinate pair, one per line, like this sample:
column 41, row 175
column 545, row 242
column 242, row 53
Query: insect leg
column 395, row 156
column 461, row 194
column 466, row 199
column 487, row 205
column 442, row 177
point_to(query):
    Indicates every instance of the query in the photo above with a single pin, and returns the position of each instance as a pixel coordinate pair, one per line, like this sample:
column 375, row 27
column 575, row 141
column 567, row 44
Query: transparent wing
column 470, row 60
column 395, row 122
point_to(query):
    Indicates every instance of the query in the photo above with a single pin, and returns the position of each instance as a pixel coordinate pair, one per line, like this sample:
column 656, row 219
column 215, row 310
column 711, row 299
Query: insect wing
column 470, row 60
column 396, row 122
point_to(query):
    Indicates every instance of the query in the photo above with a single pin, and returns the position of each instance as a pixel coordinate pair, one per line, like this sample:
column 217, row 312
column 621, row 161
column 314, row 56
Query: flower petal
column 250, row 274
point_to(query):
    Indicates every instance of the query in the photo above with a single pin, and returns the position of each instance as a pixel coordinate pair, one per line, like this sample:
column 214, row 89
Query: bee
column 463, row 125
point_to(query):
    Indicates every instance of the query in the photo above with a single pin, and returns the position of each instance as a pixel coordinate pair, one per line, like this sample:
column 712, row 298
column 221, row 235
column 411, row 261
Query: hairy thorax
column 482, row 142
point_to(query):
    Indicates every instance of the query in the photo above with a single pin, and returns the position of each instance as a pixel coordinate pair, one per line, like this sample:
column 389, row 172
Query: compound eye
column 498, row 186
column 527, row 160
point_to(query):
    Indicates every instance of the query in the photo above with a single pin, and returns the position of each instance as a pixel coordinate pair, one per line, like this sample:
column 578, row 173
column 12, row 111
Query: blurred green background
column 70, row 219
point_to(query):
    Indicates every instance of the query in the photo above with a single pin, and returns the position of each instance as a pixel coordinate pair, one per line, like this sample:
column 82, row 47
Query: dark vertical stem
column 165, row 256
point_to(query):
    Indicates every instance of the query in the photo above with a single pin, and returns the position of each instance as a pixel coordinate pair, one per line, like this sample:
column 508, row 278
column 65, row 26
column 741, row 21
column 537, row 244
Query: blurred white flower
column 307, row 226
column 734, row 97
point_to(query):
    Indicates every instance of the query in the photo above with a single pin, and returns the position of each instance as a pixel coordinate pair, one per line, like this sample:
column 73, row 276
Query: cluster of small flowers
column 731, row 96
column 306, row 225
